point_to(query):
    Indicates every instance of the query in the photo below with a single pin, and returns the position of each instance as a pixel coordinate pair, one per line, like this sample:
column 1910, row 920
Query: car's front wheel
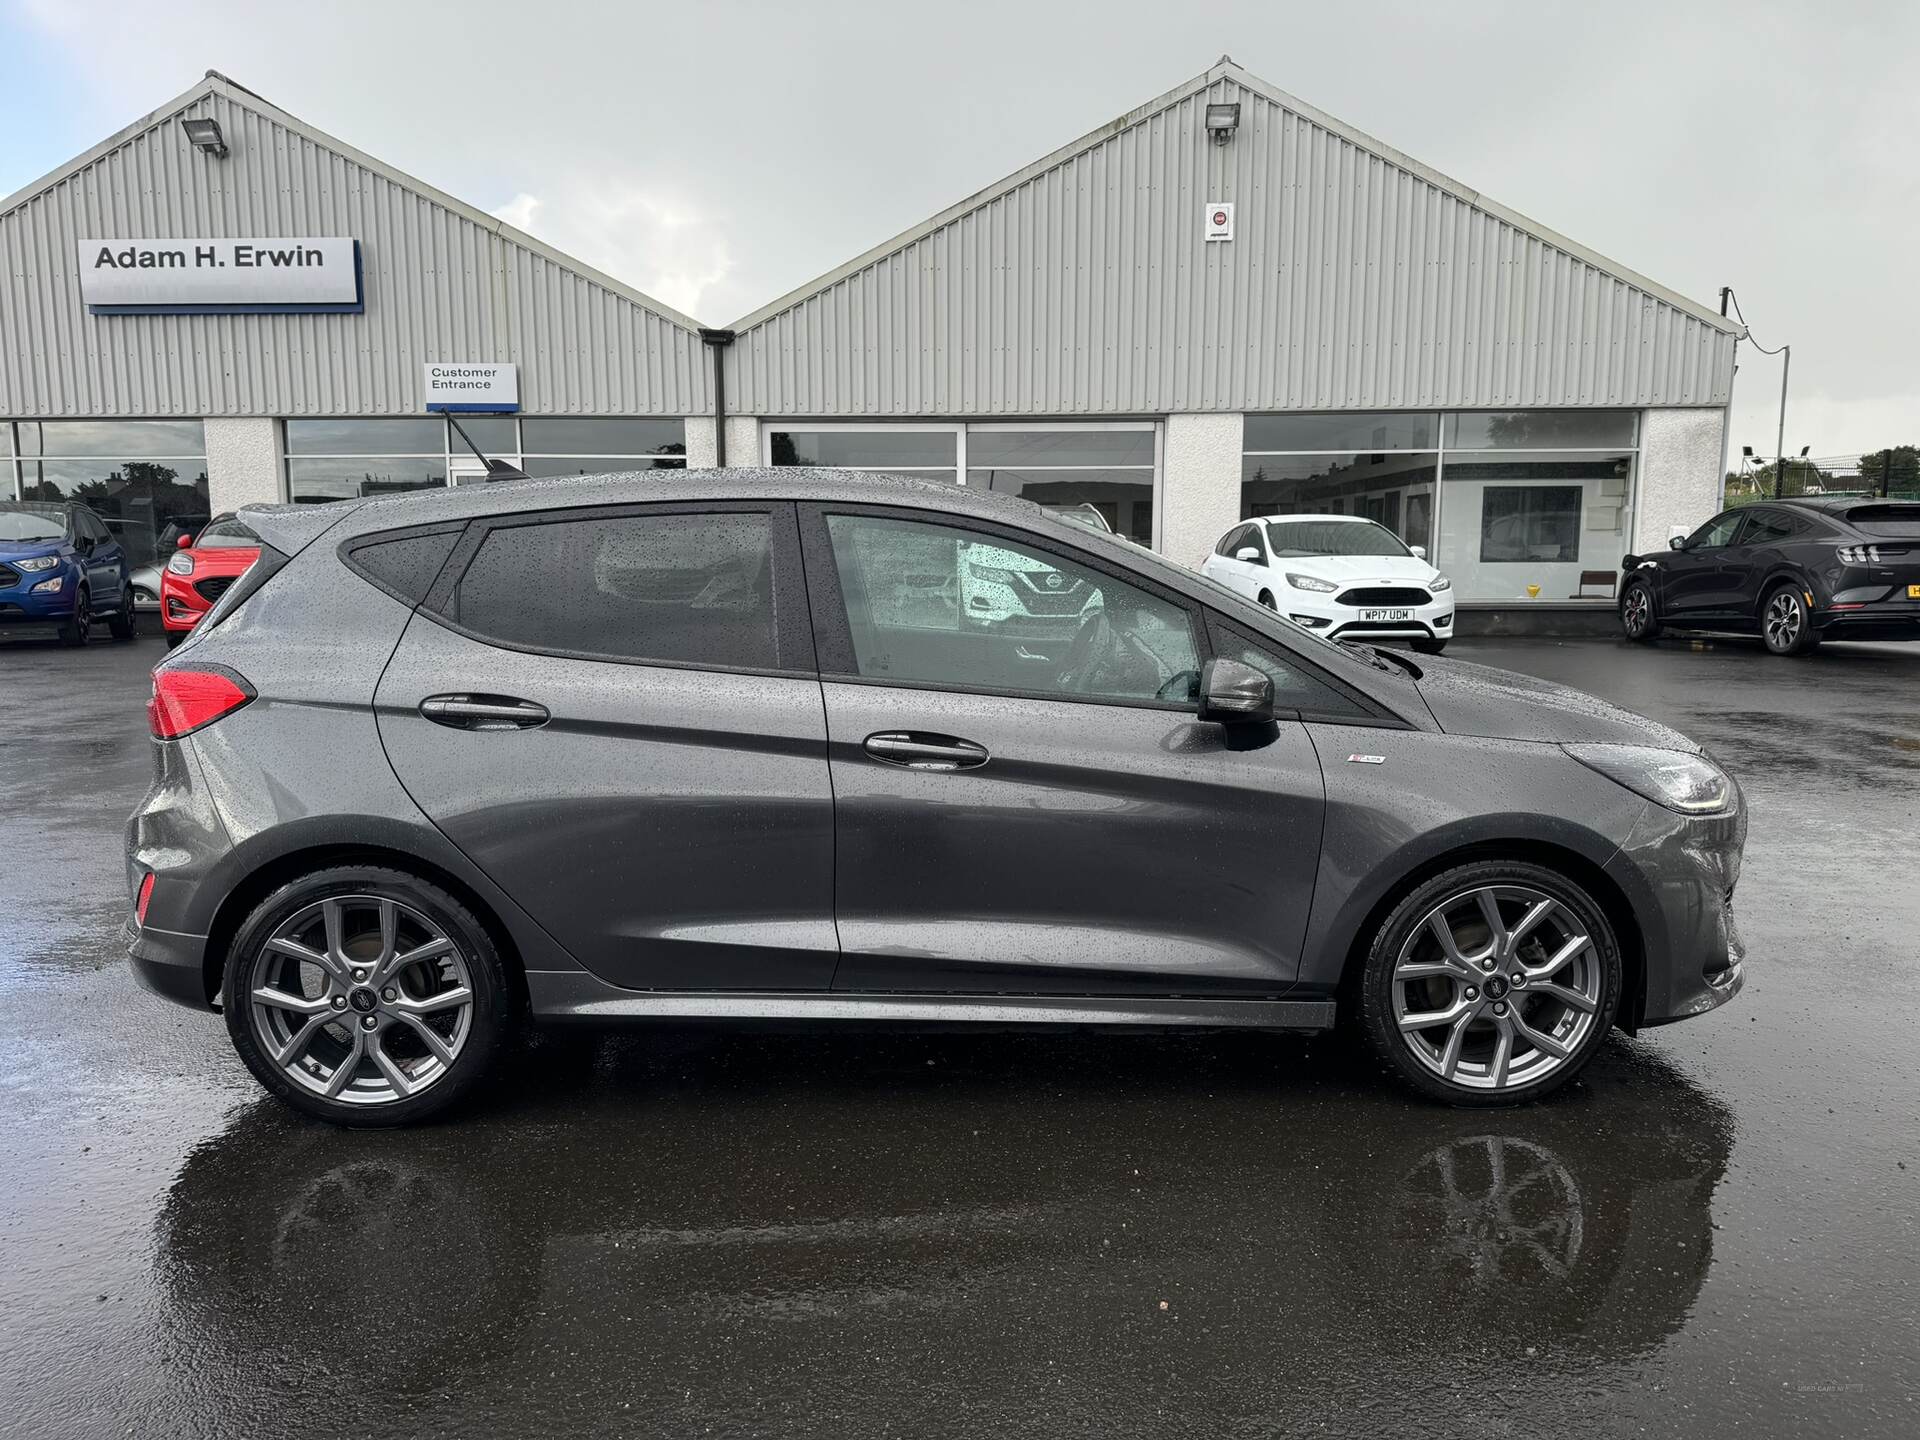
column 77, row 629
column 120, row 624
column 1266, row 599
column 365, row 996
column 1637, row 616
column 1491, row 983
column 1429, row 647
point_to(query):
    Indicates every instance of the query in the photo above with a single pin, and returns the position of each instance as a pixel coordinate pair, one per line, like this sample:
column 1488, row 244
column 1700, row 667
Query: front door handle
column 917, row 751
column 483, row 712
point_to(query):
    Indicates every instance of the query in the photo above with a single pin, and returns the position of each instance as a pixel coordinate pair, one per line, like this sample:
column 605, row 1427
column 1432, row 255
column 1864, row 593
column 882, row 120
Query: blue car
column 60, row 566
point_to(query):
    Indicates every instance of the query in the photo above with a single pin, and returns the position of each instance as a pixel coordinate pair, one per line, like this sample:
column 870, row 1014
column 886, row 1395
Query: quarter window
column 933, row 604
column 675, row 589
column 1294, row 688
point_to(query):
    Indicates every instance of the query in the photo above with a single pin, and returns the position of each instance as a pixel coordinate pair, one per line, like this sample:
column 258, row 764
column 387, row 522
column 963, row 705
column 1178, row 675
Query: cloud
column 661, row 248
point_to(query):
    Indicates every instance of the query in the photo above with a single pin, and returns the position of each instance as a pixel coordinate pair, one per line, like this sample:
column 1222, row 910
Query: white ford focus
column 1343, row 576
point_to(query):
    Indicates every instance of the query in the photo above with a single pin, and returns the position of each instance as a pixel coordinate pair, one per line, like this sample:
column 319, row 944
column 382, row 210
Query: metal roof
column 1358, row 278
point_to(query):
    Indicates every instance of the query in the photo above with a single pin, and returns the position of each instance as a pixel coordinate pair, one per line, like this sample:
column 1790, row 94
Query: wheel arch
column 1783, row 572
column 1577, row 867
column 262, row 881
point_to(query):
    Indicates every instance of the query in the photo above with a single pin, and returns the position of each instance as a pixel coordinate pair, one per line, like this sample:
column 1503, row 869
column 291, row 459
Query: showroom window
column 345, row 458
column 1109, row 470
column 1523, row 506
column 138, row 476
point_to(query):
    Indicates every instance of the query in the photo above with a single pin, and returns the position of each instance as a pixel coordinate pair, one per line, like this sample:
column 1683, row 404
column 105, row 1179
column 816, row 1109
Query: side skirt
column 571, row 995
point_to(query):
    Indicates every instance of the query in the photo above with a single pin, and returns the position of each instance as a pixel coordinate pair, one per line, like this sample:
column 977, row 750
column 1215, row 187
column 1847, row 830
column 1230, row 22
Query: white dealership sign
column 1220, row 220
column 221, row 275
column 485, row 387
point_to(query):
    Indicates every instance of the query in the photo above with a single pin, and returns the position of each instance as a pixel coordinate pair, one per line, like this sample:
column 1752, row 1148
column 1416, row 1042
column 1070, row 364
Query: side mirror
column 1677, row 542
column 184, row 541
column 1235, row 694
column 1419, row 551
column 1248, row 554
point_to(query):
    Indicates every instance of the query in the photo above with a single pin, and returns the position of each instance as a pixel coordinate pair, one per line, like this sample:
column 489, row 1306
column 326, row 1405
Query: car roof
column 1352, row 519
column 1840, row 507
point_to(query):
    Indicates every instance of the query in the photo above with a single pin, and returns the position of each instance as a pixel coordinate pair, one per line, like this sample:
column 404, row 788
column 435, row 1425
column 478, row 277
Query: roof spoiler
column 291, row 528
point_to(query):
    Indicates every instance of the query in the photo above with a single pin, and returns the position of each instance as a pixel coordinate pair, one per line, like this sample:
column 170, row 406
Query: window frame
column 792, row 628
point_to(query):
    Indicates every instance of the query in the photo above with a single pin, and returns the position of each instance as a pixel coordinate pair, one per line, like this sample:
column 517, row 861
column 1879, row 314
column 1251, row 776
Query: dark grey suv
column 759, row 745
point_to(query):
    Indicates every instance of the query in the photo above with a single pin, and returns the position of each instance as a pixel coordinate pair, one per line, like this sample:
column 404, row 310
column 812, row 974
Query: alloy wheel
column 1498, row 987
column 1639, row 609
column 361, row 999
column 1783, row 621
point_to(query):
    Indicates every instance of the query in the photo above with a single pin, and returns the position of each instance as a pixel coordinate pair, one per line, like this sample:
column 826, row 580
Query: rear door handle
column 483, row 712
column 917, row 751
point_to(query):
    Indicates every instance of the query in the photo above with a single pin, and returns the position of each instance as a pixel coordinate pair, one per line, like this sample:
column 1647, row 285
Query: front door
column 1695, row 578
column 614, row 714
column 1025, row 799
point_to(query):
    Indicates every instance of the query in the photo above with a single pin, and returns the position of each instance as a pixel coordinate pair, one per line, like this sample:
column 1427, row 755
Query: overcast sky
column 717, row 155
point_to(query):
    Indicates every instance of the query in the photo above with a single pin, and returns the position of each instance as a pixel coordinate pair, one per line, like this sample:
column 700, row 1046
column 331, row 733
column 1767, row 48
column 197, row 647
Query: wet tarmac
column 710, row 1233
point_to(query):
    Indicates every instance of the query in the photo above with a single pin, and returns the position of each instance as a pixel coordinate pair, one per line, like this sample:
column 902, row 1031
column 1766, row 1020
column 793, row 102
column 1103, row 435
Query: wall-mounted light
column 205, row 136
column 1222, row 121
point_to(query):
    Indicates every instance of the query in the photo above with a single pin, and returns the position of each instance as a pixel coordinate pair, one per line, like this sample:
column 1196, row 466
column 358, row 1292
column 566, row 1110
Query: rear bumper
column 169, row 964
column 1890, row 620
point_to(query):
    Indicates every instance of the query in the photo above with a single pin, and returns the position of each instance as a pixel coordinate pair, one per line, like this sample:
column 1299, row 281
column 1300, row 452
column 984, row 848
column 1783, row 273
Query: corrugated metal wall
column 1351, row 283
column 438, row 287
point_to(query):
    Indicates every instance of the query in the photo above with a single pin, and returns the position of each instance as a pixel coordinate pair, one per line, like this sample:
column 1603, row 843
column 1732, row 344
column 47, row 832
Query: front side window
column 1716, row 533
column 226, row 533
column 675, row 589
column 938, row 605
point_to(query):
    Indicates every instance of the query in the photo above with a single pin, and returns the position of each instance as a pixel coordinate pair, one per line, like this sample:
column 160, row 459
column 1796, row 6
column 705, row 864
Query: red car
column 199, row 572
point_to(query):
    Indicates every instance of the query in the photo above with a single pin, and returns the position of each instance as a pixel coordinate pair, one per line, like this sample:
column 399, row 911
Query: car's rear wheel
column 1637, row 616
column 1491, row 984
column 78, row 627
column 120, row 624
column 365, row 996
column 1786, row 624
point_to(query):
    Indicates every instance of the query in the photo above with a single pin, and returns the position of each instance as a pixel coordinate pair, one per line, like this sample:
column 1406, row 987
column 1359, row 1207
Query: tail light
column 140, row 901
column 1870, row 554
column 190, row 698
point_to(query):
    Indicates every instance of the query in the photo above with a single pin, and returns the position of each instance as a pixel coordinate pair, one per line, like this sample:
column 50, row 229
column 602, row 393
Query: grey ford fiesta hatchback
column 795, row 744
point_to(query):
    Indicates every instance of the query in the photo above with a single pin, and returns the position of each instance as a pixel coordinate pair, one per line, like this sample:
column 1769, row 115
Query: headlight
column 181, row 563
column 1691, row 784
column 993, row 573
column 1311, row 582
column 1439, row 583
column 38, row 562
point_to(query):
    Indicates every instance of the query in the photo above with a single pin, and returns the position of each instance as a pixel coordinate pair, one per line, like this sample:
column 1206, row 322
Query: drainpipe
column 718, row 341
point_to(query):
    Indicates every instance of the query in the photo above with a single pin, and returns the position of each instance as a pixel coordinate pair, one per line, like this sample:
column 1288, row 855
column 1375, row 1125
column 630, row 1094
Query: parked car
column 1344, row 575
column 199, row 572
column 1794, row 572
column 426, row 771
column 60, row 566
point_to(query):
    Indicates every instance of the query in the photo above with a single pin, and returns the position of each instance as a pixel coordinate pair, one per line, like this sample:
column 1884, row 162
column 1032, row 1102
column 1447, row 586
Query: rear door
column 1755, row 555
column 614, row 713
column 1025, row 799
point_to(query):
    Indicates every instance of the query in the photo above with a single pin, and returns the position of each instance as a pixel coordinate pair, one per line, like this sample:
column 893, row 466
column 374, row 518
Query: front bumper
column 1679, row 872
column 19, row 605
column 1323, row 615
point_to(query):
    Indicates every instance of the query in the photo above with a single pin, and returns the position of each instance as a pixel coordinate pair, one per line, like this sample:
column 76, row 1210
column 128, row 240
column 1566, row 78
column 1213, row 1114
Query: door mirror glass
column 1677, row 542
column 1247, row 554
column 1235, row 694
column 1419, row 551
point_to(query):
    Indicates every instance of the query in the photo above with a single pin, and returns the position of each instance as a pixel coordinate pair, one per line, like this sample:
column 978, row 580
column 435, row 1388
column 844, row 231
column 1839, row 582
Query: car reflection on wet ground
column 707, row 1231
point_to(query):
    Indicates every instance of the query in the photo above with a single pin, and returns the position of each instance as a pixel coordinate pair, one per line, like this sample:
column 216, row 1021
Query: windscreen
column 1292, row 538
column 17, row 522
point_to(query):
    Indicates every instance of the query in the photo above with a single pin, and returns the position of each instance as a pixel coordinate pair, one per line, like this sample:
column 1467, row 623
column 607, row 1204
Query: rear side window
column 675, row 589
column 405, row 567
column 1766, row 527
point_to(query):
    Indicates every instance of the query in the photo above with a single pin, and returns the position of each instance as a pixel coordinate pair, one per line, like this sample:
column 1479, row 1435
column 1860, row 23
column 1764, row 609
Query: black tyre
column 77, row 629
column 1266, row 599
column 366, row 996
column 1786, row 624
column 1429, row 647
column 120, row 624
column 1515, row 972
column 1638, row 616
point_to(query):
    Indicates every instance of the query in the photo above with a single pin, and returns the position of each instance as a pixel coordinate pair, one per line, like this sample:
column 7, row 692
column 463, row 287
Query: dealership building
column 1221, row 304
